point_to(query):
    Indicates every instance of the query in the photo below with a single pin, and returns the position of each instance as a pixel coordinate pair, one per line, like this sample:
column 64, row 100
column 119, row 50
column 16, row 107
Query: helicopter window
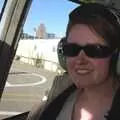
column 35, row 64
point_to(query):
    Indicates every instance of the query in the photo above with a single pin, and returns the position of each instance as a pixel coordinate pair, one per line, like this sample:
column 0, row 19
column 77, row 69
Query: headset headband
column 92, row 10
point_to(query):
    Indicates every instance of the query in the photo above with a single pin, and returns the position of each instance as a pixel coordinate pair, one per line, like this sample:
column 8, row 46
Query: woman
column 91, row 49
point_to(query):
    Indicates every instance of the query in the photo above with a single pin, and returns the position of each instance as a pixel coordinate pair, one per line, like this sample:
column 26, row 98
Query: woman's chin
column 84, row 85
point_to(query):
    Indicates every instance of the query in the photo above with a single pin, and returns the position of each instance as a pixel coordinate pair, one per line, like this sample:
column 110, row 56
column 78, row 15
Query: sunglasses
column 93, row 51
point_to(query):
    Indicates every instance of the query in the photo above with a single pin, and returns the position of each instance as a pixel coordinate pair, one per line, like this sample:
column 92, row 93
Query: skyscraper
column 41, row 31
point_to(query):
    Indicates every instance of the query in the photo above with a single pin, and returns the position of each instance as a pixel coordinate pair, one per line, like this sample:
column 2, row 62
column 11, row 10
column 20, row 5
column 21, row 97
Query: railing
column 41, row 63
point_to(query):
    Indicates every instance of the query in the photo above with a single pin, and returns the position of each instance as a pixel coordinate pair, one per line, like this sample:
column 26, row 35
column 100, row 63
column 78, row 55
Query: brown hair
column 102, row 27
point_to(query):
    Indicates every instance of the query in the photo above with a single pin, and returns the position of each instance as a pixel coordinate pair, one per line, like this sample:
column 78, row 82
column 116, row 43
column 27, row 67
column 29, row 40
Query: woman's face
column 86, row 71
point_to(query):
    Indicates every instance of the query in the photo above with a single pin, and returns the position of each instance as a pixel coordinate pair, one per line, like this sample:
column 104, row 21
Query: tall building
column 41, row 32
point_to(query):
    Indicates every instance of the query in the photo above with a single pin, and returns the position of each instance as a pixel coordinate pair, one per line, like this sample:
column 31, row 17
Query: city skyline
column 54, row 15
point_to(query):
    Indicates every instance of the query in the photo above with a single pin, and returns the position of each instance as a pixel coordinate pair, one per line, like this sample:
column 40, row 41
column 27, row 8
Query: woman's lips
column 83, row 71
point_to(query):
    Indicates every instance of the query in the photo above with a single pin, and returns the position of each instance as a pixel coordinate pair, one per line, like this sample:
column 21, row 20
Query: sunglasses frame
column 91, row 50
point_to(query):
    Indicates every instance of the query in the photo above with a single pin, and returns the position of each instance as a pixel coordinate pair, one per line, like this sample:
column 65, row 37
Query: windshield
column 36, row 62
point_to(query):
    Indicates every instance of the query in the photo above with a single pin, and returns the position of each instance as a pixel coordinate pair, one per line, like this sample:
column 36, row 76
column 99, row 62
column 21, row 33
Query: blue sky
column 53, row 13
column 1, row 4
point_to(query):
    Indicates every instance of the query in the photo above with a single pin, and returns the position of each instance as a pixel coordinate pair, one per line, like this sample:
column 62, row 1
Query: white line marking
column 43, row 80
column 9, row 113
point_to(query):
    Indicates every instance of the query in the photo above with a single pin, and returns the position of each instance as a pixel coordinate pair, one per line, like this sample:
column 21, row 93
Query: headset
column 113, row 15
column 61, row 57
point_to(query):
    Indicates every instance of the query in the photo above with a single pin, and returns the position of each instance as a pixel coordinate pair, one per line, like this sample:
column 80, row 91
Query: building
column 41, row 32
column 27, row 36
column 50, row 36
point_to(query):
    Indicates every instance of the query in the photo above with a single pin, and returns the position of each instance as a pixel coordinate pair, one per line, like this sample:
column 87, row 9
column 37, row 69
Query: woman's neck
column 94, row 101
column 104, row 89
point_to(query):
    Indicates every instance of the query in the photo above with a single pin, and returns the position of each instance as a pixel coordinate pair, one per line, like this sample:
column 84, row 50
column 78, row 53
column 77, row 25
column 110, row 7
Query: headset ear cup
column 115, row 64
column 61, row 57
column 118, row 65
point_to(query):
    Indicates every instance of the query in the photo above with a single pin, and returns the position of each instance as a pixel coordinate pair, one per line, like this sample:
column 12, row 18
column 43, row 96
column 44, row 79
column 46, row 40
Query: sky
column 52, row 13
column 1, row 4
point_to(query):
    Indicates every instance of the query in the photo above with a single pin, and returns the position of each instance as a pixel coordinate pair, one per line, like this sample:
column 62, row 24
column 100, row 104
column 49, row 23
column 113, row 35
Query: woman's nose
column 82, row 57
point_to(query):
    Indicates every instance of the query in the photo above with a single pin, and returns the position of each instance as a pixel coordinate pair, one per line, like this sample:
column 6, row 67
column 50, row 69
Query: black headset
column 61, row 57
column 116, row 56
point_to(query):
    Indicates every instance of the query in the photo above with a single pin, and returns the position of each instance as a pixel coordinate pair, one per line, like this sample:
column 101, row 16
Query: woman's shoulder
column 36, row 111
column 60, row 84
column 52, row 107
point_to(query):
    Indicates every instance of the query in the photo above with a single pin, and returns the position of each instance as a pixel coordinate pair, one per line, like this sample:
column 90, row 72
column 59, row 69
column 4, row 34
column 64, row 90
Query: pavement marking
column 9, row 113
column 43, row 80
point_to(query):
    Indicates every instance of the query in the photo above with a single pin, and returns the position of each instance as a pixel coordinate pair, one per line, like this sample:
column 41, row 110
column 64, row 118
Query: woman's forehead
column 83, row 33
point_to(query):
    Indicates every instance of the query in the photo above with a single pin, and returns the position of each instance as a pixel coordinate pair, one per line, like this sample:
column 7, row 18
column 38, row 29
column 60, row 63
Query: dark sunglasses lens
column 94, row 51
column 71, row 50
column 97, row 51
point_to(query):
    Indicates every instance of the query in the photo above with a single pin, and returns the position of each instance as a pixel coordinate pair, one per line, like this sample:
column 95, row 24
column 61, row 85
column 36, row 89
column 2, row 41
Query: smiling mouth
column 83, row 71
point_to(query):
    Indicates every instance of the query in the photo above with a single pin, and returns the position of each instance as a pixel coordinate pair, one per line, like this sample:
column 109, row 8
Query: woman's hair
column 103, row 21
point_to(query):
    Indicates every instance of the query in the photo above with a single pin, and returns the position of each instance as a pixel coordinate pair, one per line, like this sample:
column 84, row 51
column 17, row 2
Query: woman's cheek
column 70, row 63
column 101, row 66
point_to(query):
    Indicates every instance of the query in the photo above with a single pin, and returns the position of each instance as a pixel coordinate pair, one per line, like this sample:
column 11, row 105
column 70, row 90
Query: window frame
column 13, row 17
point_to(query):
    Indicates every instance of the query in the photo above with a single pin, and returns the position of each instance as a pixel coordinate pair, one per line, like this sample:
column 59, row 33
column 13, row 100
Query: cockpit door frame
column 11, row 24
